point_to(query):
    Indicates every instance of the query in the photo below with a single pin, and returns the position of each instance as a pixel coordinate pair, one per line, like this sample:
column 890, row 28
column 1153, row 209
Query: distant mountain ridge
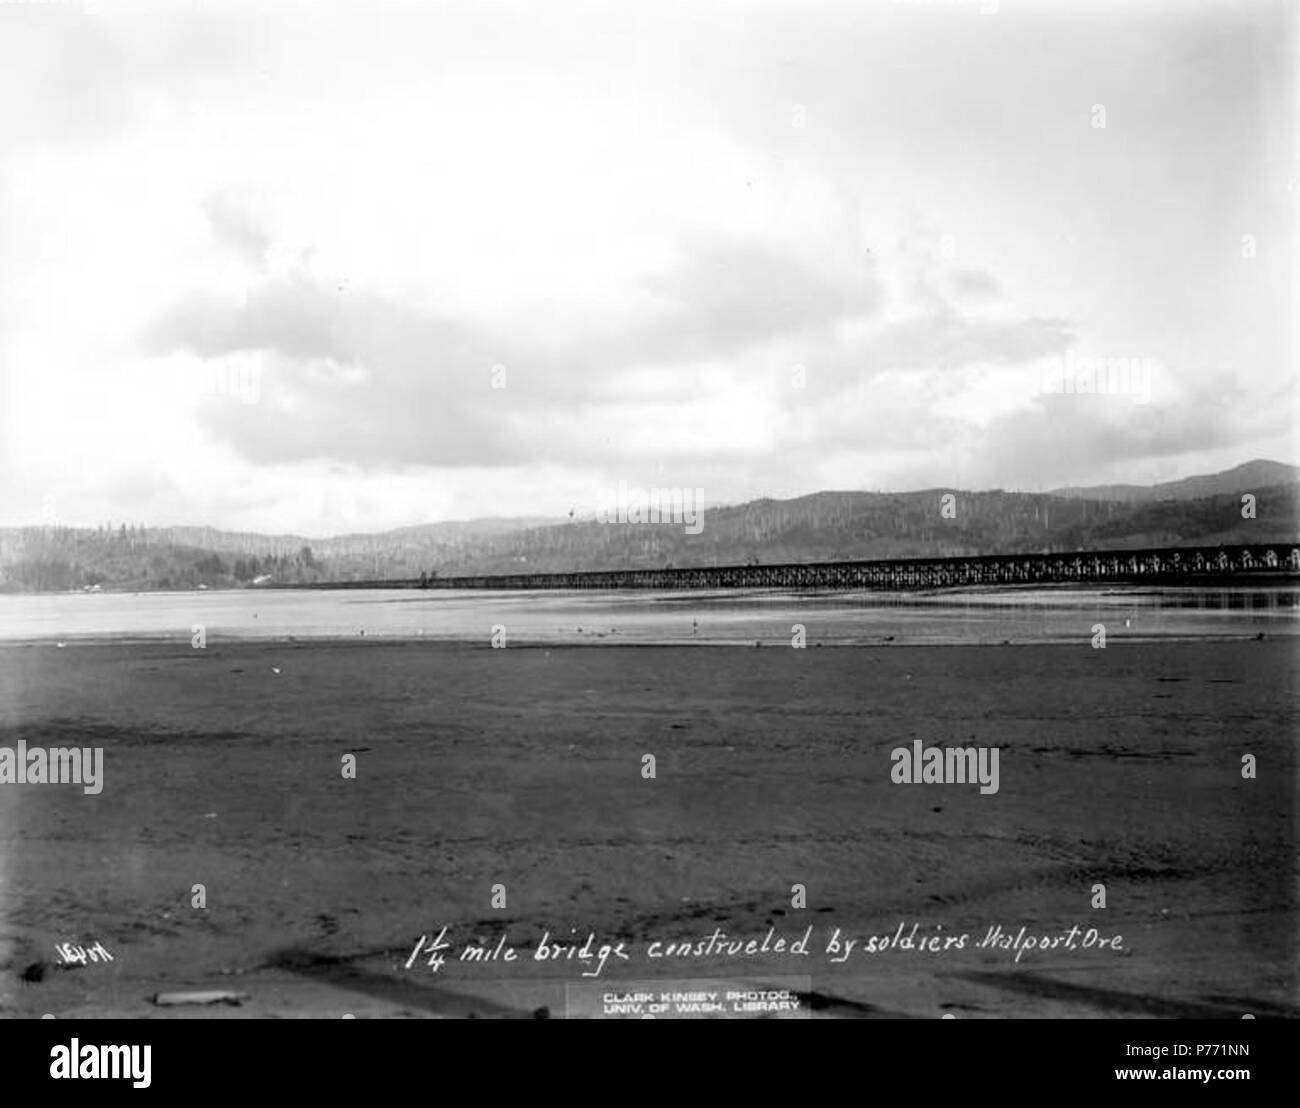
column 1249, row 475
column 823, row 526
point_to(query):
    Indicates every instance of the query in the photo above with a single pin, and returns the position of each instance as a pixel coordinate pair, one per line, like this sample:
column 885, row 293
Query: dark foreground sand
column 522, row 767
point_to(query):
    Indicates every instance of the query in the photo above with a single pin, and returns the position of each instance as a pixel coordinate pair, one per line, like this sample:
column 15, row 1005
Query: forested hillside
column 825, row 526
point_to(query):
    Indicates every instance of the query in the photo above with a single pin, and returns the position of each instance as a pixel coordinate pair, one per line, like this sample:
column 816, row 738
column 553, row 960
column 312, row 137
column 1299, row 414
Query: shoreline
column 450, row 640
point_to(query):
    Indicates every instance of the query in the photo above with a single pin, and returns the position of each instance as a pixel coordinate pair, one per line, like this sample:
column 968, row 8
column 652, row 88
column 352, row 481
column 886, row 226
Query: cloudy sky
column 341, row 266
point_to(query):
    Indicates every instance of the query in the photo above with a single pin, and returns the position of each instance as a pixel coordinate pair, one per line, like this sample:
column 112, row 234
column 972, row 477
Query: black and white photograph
column 610, row 509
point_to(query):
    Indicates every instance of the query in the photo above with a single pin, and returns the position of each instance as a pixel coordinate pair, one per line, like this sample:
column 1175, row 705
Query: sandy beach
column 523, row 768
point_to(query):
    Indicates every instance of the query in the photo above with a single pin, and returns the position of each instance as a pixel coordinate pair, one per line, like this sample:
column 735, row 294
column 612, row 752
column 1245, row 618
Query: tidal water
column 770, row 617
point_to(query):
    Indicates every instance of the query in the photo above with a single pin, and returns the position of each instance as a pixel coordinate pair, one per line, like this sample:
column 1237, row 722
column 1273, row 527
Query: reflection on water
column 769, row 617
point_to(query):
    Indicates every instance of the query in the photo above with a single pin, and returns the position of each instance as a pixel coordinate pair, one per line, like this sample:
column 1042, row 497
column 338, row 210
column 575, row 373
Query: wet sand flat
column 523, row 767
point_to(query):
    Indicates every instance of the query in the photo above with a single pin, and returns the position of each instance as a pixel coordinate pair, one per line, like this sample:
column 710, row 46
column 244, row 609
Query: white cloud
column 364, row 215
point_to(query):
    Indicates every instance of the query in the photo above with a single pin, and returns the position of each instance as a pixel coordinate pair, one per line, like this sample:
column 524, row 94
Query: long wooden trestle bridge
column 1277, row 563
